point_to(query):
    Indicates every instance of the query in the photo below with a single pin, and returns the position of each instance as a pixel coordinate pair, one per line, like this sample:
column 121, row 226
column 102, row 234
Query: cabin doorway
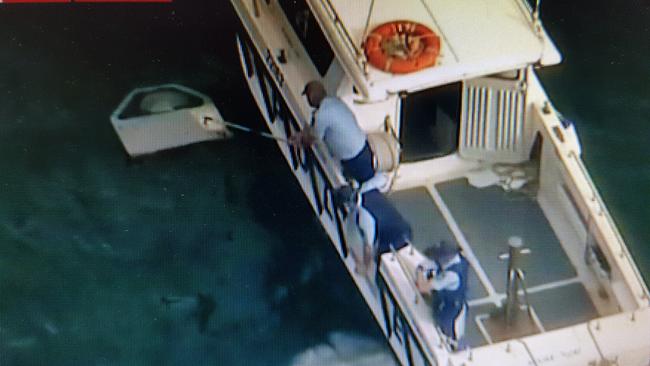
column 430, row 123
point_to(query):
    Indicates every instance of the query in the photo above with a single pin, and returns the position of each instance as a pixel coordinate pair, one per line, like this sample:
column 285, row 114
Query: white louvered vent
column 493, row 122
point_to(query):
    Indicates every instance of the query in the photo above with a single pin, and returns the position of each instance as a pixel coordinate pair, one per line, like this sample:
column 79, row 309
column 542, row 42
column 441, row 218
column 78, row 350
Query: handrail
column 593, row 337
column 608, row 217
column 350, row 57
column 411, row 319
column 530, row 353
column 408, row 274
column 329, row 165
column 335, row 176
column 533, row 14
column 597, row 199
column 337, row 20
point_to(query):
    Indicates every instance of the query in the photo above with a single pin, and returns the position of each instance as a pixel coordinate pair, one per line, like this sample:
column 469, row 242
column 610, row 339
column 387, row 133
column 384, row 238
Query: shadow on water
column 305, row 282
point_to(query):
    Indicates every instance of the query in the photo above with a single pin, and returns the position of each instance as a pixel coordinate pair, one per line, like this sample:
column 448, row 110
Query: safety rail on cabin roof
column 333, row 14
column 609, row 230
column 531, row 13
column 351, row 57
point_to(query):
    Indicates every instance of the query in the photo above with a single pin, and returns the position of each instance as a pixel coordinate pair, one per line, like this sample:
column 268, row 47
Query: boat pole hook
column 249, row 130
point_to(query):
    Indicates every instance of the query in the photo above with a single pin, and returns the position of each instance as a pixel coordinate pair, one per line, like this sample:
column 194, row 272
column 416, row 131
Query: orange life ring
column 402, row 46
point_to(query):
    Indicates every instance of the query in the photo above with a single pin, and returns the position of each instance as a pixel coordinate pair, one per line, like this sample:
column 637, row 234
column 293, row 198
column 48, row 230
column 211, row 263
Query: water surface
column 90, row 241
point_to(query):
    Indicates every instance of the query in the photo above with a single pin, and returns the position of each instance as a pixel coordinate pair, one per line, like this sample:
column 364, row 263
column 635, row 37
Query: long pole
column 250, row 130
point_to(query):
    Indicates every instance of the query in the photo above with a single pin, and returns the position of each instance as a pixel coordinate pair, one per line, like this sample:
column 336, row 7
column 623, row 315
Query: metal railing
column 603, row 212
column 343, row 32
column 572, row 157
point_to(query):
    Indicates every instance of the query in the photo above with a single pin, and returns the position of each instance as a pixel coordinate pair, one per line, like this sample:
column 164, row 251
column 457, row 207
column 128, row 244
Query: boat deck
column 480, row 220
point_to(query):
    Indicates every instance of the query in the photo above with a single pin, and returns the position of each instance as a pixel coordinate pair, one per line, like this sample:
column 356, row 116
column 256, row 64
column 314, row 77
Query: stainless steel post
column 515, row 252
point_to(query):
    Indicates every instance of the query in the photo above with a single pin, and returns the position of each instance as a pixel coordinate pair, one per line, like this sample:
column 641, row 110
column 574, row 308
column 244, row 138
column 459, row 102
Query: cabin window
column 309, row 33
column 430, row 123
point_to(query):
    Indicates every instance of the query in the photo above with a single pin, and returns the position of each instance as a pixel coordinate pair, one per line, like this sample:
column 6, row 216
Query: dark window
column 430, row 122
column 309, row 32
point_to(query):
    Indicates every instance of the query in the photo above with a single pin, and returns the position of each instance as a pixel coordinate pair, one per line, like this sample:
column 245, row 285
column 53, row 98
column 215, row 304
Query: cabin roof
column 478, row 37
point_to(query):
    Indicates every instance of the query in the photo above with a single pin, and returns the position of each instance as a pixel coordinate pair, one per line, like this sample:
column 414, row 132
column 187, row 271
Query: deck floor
column 482, row 220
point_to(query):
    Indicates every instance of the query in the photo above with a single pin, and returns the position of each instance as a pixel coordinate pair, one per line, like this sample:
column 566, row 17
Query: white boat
column 484, row 159
column 162, row 117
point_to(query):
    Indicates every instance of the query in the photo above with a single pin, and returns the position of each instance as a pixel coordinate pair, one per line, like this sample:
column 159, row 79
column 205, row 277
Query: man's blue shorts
column 360, row 167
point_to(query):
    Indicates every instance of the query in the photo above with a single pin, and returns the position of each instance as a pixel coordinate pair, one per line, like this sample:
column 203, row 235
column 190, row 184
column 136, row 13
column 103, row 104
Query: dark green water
column 89, row 241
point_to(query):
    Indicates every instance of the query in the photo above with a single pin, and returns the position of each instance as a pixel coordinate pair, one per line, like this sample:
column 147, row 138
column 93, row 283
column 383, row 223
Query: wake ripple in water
column 346, row 349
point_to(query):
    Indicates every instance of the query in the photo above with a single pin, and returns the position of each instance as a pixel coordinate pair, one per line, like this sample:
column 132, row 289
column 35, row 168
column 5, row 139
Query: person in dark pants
column 380, row 224
column 335, row 125
column 444, row 275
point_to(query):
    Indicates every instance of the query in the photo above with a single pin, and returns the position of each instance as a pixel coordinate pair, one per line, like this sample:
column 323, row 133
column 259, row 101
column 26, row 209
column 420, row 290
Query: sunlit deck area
column 480, row 221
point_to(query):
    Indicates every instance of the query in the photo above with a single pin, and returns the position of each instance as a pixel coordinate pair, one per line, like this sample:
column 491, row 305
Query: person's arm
column 379, row 181
column 304, row 138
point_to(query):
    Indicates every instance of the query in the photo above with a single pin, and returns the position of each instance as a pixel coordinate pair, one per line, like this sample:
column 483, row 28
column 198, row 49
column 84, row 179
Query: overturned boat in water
column 166, row 116
column 476, row 155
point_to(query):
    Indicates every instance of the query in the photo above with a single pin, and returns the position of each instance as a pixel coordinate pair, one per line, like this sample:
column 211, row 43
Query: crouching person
column 381, row 226
column 444, row 276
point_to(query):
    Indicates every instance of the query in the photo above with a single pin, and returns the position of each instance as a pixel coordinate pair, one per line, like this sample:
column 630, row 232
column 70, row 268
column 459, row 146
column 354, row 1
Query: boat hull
column 318, row 183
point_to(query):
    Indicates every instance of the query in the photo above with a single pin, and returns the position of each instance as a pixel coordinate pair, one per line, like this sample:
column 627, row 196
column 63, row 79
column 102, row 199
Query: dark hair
column 442, row 250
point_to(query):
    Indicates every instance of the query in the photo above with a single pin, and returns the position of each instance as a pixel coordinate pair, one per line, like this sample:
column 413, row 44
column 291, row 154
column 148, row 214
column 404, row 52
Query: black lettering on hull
column 322, row 192
column 396, row 325
column 303, row 160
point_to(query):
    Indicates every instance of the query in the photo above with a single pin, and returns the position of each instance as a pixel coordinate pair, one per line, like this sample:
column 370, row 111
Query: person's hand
column 302, row 138
column 296, row 139
column 421, row 282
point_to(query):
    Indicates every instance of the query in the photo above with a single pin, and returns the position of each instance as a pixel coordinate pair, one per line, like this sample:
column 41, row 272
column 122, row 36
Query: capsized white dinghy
column 166, row 116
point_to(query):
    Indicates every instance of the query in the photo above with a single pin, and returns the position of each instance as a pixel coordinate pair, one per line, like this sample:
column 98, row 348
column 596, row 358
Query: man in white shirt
column 335, row 125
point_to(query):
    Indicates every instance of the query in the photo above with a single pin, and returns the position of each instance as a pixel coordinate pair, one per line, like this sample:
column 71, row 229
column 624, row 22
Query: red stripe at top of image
column 122, row 1
column 84, row 1
column 35, row 1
